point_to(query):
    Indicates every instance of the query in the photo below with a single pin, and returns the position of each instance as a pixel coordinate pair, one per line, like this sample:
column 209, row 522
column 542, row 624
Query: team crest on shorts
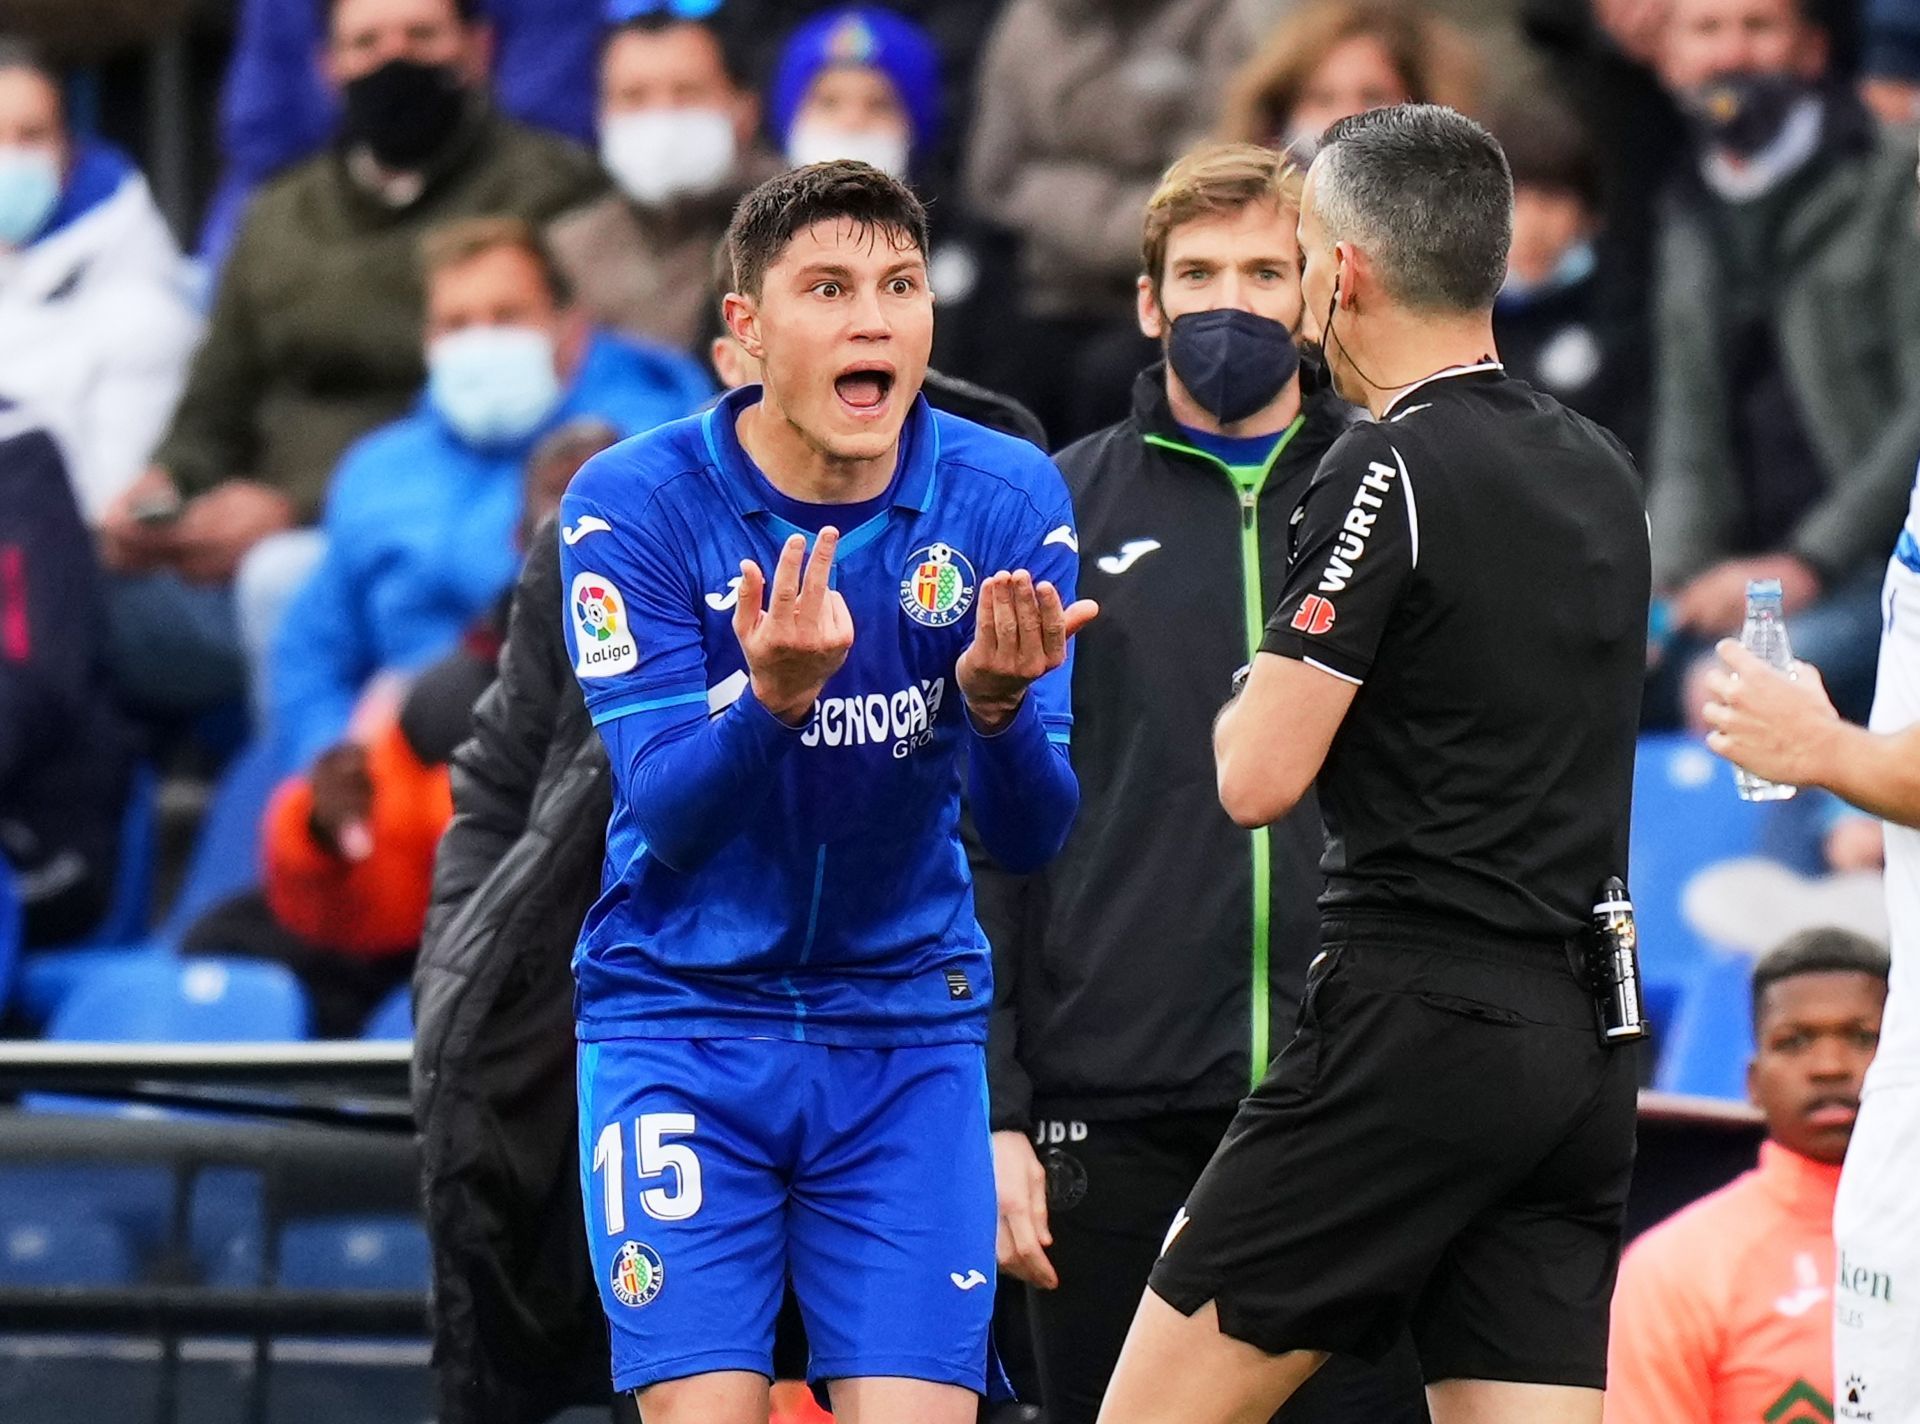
column 638, row 1274
column 938, row 588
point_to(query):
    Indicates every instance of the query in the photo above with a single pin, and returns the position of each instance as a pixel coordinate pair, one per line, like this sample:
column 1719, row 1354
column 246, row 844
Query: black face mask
column 404, row 111
column 1232, row 362
column 1745, row 112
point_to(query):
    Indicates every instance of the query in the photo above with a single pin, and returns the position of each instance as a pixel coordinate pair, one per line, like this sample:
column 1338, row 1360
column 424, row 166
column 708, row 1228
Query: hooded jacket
column 421, row 530
column 100, row 324
column 1157, row 963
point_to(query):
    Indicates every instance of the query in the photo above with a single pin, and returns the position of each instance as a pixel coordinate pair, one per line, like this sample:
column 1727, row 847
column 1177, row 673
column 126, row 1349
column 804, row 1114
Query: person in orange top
column 1724, row 1313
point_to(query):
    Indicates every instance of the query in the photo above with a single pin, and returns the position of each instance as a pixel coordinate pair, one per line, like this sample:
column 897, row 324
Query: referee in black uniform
column 1456, row 659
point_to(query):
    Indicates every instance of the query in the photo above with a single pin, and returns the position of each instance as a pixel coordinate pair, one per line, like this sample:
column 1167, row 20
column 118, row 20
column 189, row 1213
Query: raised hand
column 1020, row 635
column 797, row 641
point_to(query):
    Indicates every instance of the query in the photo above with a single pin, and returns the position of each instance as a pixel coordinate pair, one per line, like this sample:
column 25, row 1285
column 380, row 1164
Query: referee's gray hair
column 1428, row 195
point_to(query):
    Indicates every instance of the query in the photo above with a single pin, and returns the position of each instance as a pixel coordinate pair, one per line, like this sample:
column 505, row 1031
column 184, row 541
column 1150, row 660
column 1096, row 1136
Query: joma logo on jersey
column 1354, row 533
column 904, row 718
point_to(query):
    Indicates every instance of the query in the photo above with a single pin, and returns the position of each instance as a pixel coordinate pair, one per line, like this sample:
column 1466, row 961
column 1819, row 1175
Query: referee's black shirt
column 1476, row 562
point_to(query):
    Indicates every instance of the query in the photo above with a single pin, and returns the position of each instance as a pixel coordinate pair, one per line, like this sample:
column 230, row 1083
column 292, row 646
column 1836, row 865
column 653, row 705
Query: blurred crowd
column 290, row 464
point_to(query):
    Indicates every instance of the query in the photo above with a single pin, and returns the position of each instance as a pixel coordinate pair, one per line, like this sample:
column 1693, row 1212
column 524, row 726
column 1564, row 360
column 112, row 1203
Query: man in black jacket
column 1145, row 979
column 518, row 1328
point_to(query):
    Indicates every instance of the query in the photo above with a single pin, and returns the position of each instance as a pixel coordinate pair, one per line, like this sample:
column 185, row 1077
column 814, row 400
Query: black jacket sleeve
column 1001, row 902
column 496, row 771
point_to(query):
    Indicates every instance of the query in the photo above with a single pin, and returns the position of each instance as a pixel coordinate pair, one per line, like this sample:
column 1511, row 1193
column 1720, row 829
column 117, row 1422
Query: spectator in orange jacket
column 1724, row 1313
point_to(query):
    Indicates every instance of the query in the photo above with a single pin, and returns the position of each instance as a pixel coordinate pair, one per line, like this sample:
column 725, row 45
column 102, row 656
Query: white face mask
column 656, row 155
column 495, row 385
column 822, row 143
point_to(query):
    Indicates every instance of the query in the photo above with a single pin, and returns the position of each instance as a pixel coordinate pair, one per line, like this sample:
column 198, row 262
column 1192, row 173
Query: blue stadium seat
column 10, row 931
column 132, row 900
column 225, row 862
column 226, row 1223
column 1711, row 1039
column 186, row 1001
column 1687, row 815
column 354, row 1253
column 393, row 1020
column 226, row 855
column 62, row 1247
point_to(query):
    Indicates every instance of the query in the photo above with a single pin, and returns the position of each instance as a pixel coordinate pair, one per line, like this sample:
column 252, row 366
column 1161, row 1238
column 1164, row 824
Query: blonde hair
column 1213, row 181
column 1434, row 61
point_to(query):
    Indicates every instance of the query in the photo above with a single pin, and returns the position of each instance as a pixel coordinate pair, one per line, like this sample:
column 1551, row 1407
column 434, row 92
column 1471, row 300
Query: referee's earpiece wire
column 1328, row 335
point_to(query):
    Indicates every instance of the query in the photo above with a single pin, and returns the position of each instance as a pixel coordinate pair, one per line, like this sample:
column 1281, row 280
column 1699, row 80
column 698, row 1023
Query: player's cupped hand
column 800, row 636
column 1020, row 635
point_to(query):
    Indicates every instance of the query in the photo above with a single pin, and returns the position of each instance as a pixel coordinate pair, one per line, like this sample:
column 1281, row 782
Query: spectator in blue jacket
column 422, row 514
column 276, row 108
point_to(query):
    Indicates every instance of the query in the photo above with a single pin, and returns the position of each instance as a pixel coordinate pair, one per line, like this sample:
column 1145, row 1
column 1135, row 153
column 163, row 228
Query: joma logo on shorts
column 1358, row 527
column 1859, row 1280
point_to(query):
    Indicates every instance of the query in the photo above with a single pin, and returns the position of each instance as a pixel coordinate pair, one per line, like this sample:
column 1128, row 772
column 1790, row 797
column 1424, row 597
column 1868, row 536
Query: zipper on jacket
column 1253, row 606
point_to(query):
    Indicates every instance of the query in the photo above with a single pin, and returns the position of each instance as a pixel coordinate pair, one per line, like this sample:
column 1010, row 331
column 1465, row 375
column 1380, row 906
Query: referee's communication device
column 1613, row 967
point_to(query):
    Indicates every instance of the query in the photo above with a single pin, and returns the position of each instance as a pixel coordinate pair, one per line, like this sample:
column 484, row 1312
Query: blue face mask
column 29, row 192
column 495, row 385
column 1231, row 361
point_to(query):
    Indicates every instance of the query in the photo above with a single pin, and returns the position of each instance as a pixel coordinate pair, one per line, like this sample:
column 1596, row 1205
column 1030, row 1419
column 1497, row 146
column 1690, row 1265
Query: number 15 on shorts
column 656, row 1154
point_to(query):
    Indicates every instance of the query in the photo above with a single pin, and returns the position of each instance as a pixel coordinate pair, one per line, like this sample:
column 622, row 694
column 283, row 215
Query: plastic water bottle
column 1765, row 636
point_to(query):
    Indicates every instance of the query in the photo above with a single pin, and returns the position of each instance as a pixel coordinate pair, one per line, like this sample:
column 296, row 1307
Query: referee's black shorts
column 1444, row 1144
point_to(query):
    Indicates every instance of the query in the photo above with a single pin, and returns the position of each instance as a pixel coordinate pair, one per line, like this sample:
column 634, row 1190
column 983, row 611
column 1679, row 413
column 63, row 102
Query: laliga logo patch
column 637, row 1274
column 938, row 588
column 601, row 630
column 1314, row 616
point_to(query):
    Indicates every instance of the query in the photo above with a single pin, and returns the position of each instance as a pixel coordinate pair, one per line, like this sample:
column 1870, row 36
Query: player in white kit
column 1786, row 730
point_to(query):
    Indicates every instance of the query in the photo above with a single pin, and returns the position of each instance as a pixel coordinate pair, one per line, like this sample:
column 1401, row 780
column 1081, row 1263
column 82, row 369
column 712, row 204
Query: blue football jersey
column 843, row 912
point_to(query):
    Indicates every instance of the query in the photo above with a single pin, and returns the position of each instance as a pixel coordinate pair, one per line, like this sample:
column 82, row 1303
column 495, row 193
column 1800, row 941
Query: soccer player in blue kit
column 782, row 990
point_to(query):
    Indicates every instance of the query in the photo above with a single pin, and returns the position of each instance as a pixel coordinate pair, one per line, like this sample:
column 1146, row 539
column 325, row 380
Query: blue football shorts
column 715, row 1169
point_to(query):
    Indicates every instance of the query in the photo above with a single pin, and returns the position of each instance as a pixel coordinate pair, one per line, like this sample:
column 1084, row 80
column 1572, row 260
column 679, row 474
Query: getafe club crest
column 938, row 588
column 637, row 1274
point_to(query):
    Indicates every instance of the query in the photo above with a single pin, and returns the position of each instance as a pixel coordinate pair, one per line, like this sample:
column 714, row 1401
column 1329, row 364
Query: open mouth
column 864, row 389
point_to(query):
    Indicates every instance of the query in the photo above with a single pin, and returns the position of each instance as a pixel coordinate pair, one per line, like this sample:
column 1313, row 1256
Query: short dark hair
column 767, row 218
column 726, row 38
column 1426, row 191
column 17, row 53
column 1548, row 147
column 459, row 240
column 1817, row 951
column 468, row 11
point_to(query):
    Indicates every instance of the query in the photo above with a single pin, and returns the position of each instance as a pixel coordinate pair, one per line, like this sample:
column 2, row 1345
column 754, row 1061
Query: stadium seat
column 354, row 1253
column 62, row 1247
column 1711, row 1037
column 225, row 861
column 186, row 1001
column 1686, row 815
column 393, row 1020
column 10, row 931
column 226, row 1223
